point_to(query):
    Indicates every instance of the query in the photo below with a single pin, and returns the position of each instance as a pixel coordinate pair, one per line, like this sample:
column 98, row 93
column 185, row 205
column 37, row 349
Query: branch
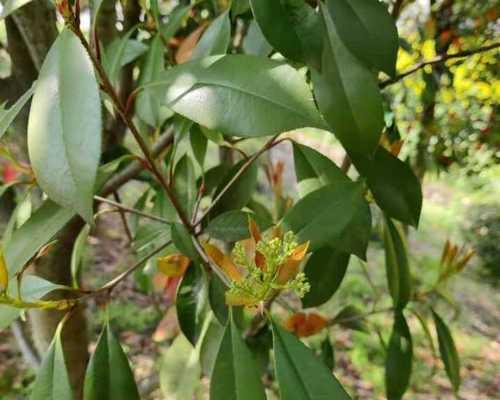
column 438, row 60
column 131, row 210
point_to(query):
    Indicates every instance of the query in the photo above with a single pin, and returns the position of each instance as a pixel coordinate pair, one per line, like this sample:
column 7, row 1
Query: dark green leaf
column 182, row 241
column 7, row 116
column 398, row 363
column 174, row 22
column 301, row 375
column 368, row 31
column 350, row 317
column 255, row 43
column 215, row 39
column 52, row 380
column 448, row 351
column 348, row 95
column 148, row 104
column 108, row 374
column 232, row 226
column 198, row 144
column 241, row 190
column 64, row 128
column 235, row 374
column 314, row 170
column 325, row 271
column 239, row 7
column 217, row 299
column 241, row 95
column 396, row 264
column 395, row 187
column 327, row 353
column 336, row 215
column 191, row 302
column 185, row 184
column 292, row 27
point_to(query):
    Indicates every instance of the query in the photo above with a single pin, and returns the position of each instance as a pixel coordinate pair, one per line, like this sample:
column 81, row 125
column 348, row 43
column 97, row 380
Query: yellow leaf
column 223, row 261
column 290, row 268
column 4, row 273
column 174, row 265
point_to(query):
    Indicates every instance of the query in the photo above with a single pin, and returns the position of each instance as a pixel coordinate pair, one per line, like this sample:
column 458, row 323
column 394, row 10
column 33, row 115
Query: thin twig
column 438, row 60
column 335, row 321
column 125, row 208
column 123, row 217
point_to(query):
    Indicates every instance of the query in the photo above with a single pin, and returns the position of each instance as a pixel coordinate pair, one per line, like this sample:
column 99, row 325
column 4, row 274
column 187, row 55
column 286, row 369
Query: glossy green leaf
column 337, row 215
column 395, row 187
column 52, row 380
column 32, row 288
column 292, row 27
column 235, row 374
column 148, row 104
column 179, row 370
column 232, row 226
column 199, row 144
column 351, row 318
column 191, row 302
column 396, row 265
column 347, row 94
column 217, row 299
column 314, row 170
column 398, row 364
column 64, row 128
column 448, row 351
column 182, row 241
column 368, row 31
column 77, row 254
column 10, row 6
column 185, row 184
column 327, row 353
column 43, row 224
column 255, row 43
column 241, row 95
column 108, row 374
column 7, row 116
column 215, row 39
column 301, row 375
column 325, row 271
column 240, row 192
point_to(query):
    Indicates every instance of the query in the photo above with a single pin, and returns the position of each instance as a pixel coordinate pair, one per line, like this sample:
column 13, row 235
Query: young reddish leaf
column 223, row 261
column 173, row 265
column 167, row 328
column 254, row 230
column 304, row 325
column 9, row 173
column 188, row 44
column 260, row 261
column 290, row 268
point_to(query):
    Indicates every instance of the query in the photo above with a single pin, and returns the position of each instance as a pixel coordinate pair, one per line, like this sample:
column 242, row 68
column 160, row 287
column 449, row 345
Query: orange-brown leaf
column 173, row 265
column 260, row 261
column 290, row 268
column 188, row 44
column 304, row 325
column 254, row 230
column 4, row 273
column 223, row 261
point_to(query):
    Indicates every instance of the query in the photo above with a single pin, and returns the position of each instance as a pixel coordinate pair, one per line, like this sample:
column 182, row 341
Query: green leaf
column 185, row 184
column 64, row 128
column 325, row 271
column 398, row 364
column 108, row 374
column 179, row 370
column 396, row 264
column 217, row 299
column 255, row 43
column 52, row 380
column 32, row 288
column 198, row 143
column 235, row 374
column 175, row 20
column 327, row 353
column 148, row 104
column 347, row 94
column 448, row 351
column 239, row 7
column 301, row 375
column 121, row 52
column 337, row 215
column 7, row 116
column 210, row 346
column 12, row 5
column 314, row 170
column 369, row 32
column 77, row 254
column 43, row 224
column 240, row 192
column 292, row 27
column 395, row 187
column 182, row 241
column 215, row 39
column 241, row 95
column 351, row 318
column 232, row 226
column 191, row 302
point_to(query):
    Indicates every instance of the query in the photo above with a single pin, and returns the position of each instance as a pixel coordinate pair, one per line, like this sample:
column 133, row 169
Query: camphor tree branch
column 438, row 60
